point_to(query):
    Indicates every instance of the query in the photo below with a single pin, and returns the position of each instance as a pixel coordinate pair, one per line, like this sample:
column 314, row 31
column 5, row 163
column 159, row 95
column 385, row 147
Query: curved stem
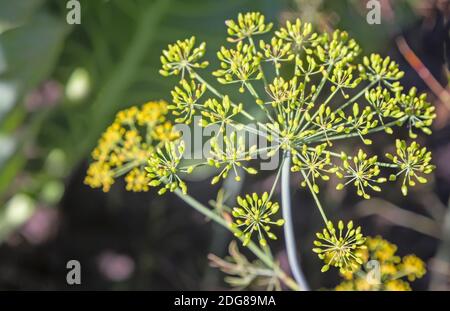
column 266, row 259
column 288, row 226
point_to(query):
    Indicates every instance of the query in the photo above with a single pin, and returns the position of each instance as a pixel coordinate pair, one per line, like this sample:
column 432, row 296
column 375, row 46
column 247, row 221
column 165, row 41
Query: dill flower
column 181, row 57
column 384, row 104
column 314, row 163
column 99, row 175
column 150, row 113
column 338, row 249
column 301, row 35
column 186, row 98
column 397, row 286
column 330, row 95
column 392, row 269
column 363, row 173
column 163, row 168
column 295, row 120
column 125, row 146
column 281, row 92
column 418, row 112
column 378, row 69
column 338, row 48
column 413, row 267
column 219, row 112
column 230, row 157
column 164, row 132
column 254, row 214
column 412, row 161
column 238, row 65
column 246, row 26
column 136, row 180
column 276, row 52
column 382, row 250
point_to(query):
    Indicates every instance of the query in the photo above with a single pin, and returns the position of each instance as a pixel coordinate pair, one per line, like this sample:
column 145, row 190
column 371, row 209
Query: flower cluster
column 246, row 26
column 238, row 65
column 300, row 35
column 339, row 249
column 319, row 92
column 181, row 57
column 416, row 110
column 219, row 112
column 163, row 167
column 332, row 95
column 230, row 157
column 186, row 100
column 126, row 145
column 313, row 163
column 254, row 214
column 362, row 172
column 382, row 269
column 376, row 68
column 413, row 162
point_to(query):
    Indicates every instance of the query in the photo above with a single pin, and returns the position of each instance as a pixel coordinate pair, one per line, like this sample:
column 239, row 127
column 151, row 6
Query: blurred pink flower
column 41, row 226
column 114, row 266
column 46, row 95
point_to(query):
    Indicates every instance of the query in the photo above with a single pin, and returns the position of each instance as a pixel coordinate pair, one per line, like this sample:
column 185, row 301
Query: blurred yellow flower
column 137, row 180
column 397, row 285
column 126, row 145
column 382, row 269
column 413, row 267
column 99, row 175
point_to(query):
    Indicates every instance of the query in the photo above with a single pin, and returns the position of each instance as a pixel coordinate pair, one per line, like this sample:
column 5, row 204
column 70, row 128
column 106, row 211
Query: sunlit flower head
column 339, row 249
column 255, row 215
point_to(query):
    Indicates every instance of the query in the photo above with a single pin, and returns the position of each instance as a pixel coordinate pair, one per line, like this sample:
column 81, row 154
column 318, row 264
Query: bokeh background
column 61, row 85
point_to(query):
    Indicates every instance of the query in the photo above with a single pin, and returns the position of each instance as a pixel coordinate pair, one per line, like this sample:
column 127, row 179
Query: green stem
column 316, row 95
column 353, row 134
column 250, row 39
column 289, row 236
column 127, row 167
column 251, row 90
column 354, row 98
column 218, row 94
column 316, row 199
column 276, row 180
column 322, row 83
column 251, row 245
column 337, row 155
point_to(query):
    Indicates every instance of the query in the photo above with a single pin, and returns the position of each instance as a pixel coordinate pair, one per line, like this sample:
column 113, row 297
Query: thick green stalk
column 289, row 235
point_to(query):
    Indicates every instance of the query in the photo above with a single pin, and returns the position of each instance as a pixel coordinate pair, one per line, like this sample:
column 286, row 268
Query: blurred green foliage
column 108, row 62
